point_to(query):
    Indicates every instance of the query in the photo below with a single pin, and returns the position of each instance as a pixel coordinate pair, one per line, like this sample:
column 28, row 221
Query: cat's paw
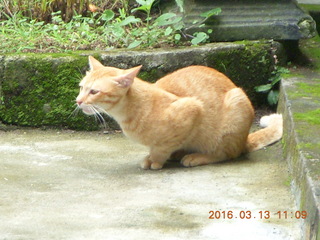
column 148, row 164
column 156, row 166
column 195, row 159
column 189, row 161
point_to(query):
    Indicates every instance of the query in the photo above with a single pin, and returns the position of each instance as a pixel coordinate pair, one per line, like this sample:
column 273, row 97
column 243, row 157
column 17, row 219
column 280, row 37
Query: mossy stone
column 40, row 89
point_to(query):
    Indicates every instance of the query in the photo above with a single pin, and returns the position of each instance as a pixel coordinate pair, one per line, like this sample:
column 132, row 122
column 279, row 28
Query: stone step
column 250, row 20
column 300, row 105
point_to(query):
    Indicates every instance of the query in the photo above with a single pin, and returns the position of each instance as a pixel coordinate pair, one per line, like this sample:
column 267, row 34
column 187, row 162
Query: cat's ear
column 126, row 79
column 94, row 63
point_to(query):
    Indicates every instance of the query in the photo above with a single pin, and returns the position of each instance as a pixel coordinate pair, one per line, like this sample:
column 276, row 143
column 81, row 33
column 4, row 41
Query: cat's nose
column 79, row 100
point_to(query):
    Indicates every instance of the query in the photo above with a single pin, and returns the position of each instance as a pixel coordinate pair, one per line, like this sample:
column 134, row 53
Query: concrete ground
column 77, row 185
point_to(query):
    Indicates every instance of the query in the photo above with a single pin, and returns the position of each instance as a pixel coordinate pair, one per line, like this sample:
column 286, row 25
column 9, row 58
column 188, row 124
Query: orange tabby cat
column 196, row 113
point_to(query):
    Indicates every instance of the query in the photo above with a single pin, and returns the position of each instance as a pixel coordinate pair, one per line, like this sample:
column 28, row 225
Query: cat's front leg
column 156, row 159
column 146, row 162
column 198, row 159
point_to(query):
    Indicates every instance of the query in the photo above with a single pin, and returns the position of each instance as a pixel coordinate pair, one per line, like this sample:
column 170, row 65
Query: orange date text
column 245, row 214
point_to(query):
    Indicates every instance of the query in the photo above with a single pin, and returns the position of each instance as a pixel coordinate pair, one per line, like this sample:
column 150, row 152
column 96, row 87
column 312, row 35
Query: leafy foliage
column 98, row 30
column 42, row 9
column 272, row 87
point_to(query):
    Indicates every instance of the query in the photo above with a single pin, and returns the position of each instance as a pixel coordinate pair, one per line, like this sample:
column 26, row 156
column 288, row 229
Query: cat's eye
column 93, row 92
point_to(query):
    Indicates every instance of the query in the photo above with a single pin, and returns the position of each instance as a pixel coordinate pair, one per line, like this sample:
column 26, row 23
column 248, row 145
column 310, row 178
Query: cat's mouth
column 88, row 109
column 94, row 110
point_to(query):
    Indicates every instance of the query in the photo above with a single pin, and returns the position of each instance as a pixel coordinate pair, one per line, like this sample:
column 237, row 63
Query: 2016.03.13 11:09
column 257, row 215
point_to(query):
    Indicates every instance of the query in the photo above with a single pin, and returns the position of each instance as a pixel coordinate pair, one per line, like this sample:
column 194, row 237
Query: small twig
column 7, row 7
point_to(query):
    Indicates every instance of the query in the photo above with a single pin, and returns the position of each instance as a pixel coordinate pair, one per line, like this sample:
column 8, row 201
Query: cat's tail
column 271, row 132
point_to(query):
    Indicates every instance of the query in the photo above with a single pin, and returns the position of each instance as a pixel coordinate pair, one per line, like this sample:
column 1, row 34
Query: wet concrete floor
column 71, row 185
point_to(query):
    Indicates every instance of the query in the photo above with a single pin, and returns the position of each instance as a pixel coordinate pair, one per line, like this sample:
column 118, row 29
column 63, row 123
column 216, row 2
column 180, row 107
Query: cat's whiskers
column 100, row 109
column 98, row 115
column 94, row 113
column 75, row 111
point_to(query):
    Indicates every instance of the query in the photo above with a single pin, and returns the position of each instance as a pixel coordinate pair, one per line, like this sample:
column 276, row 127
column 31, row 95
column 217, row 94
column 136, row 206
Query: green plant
column 154, row 30
column 272, row 87
column 20, row 32
column 42, row 9
column 180, row 5
column 171, row 25
column 146, row 6
column 200, row 37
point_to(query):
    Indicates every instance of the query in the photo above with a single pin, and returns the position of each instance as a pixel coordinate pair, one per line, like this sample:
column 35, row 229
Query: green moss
column 312, row 90
column 303, row 197
column 150, row 76
column 288, row 181
column 313, row 147
column 310, row 7
column 316, row 39
column 305, row 89
column 312, row 117
column 40, row 90
column 292, row 74
column 247, row 67
column 311, row 48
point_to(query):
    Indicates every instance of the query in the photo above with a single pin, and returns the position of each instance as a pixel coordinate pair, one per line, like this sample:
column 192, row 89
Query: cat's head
column 103, row 87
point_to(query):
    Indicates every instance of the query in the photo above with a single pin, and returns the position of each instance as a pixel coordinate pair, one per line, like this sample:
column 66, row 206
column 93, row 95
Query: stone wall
column 40, row 89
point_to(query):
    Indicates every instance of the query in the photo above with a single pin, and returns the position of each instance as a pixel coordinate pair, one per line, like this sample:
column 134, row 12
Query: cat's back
column 199, row 81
